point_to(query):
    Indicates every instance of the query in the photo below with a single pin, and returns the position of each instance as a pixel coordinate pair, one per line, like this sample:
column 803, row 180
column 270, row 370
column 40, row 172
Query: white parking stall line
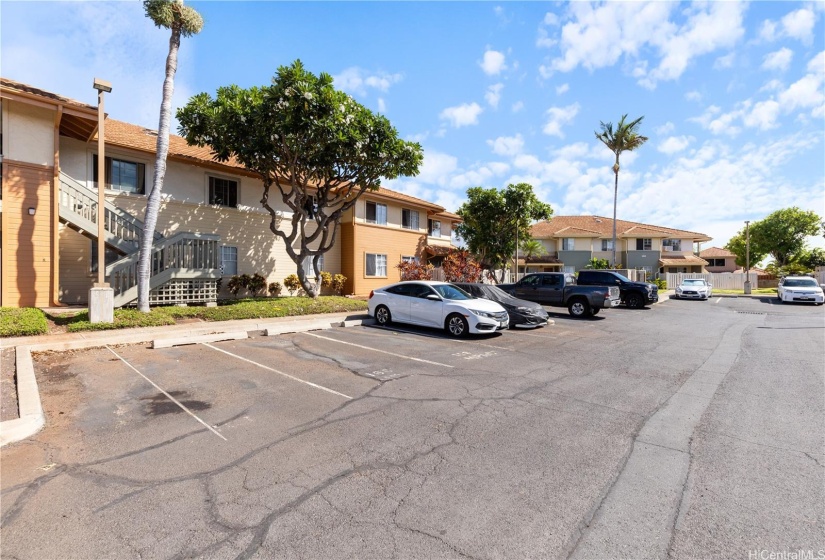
column 377, row 350
column 292, row 377
column 717, row 301
column 170, row 397
column 396, row 329
column 544, row 336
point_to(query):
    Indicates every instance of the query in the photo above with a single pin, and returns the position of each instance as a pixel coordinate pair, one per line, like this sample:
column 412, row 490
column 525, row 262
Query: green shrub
column 338, row 282
column 292, row 283
column 22, row 321
column 274, row 289
column 256, row 284
column 661, row 283
column 234, row 285
column 326, row 279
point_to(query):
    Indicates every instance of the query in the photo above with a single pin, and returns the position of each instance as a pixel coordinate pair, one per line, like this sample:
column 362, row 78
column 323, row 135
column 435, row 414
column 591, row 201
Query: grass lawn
column 254, row 308
column 754, row 291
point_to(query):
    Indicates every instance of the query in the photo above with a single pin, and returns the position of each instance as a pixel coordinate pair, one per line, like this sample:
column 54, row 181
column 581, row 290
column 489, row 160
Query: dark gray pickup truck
column 558, row 289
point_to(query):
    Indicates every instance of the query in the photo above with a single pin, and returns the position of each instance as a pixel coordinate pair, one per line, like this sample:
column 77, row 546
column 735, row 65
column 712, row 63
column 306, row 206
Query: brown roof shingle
column 715, row 252
column 604, row 228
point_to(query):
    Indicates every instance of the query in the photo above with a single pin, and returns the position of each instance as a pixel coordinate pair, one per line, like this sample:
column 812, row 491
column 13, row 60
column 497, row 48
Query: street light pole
column 747, row 257
column 101, row 296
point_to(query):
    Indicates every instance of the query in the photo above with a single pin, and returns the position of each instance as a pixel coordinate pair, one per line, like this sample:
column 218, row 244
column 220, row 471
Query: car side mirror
column 433, row 297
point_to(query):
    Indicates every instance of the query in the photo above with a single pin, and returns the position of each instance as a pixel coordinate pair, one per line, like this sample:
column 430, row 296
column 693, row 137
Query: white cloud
column 693, row 96
column 493, row 95
column 805, row 93
column 778, row 60
column 437, row 167
column 773, row 85
column 564, row 88
column 507, row 145
column 799, row 25
column 666, row 128
column 357, row 80
column 674, row 144
column 382, row 105
column 598, row 36
column 817, row 64
column 493, row 62
column 517, row 106
column 724, row 62
column 763, row 115
column 557, row 117
column 462, row 115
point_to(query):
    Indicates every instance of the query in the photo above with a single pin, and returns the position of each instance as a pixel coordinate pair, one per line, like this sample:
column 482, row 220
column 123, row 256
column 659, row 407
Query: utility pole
column 747, row 257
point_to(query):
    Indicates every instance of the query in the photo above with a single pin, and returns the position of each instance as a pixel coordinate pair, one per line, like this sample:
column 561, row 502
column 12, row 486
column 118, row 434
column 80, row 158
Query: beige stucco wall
column 28, row 133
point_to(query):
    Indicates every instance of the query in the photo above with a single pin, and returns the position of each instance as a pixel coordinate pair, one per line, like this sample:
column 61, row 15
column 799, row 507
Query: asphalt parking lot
column 368, row 442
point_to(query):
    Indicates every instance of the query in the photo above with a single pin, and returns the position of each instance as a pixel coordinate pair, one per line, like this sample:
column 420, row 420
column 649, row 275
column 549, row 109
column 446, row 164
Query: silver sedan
column 694, row 288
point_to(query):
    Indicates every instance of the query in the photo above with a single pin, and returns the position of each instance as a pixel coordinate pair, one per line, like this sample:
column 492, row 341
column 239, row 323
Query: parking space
column 395, row 440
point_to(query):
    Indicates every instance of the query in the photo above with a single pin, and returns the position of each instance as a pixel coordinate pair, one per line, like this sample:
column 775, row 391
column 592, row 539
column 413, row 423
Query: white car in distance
column 694, row 288
column 437, row 304
column 800, row 288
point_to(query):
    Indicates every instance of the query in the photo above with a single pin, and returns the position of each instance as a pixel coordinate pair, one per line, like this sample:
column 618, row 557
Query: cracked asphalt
column 687, row 430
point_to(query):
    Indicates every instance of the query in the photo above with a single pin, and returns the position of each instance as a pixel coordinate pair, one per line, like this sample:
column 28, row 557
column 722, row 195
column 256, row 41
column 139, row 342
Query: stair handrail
column 186, row 250
column 116, row 220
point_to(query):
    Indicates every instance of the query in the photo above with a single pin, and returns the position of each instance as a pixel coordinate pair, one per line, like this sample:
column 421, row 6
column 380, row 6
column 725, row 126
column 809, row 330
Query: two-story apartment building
column 719, row 260
column 211, row 225
column 571, row 242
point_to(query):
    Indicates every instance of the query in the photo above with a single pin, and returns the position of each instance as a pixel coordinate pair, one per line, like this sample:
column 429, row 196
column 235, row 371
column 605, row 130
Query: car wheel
column 457, row 325
column 579, row 308
column 635, row 301
column 383, row 315
column 594, row 311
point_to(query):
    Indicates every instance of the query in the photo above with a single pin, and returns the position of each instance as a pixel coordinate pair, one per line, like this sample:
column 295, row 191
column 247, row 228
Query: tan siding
column 27, row 263
column 259, row 250
column 75, row 261
column 392, row 242
column 347, row 244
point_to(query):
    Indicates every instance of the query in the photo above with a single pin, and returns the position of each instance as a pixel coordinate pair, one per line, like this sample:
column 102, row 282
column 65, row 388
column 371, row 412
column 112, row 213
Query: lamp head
column 102, row 85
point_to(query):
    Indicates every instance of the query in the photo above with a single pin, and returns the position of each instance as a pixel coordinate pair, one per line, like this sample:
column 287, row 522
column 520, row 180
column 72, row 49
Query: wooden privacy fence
column 719, row 280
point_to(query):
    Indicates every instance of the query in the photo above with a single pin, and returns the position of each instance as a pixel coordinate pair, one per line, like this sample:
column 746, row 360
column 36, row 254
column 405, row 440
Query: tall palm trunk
column 153, row 201
column 615, row 198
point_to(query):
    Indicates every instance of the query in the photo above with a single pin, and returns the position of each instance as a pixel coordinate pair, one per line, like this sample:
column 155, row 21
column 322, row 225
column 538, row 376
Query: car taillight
column 371, row 294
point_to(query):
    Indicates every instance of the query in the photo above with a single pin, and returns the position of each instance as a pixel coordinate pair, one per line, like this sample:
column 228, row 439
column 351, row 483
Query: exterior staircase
column 185, row 268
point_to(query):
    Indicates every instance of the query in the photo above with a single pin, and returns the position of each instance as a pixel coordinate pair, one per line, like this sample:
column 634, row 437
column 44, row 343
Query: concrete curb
column 32, row 419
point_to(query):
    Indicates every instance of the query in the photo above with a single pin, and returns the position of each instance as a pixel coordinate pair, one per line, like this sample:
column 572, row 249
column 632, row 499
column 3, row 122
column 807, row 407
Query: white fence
column 820, row 275
column 719, row 280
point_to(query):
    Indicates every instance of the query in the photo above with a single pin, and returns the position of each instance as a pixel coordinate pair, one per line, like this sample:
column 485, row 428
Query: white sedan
column 695, row 288
column 437, row 304
column 800, row 288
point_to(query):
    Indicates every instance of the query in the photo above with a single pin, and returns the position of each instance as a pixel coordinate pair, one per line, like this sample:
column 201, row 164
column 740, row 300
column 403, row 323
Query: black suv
column 633, row 294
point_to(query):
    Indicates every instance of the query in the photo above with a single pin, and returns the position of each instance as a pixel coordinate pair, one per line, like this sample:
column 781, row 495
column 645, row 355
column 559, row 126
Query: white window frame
column 378, row 266
column 674, row 244
column 413, row 221
column 380, row 213
column 647, row 244
column 307, row 265
column 432, row 228
column 235, row 180
column 568, row 241
column 607, row 244
column 409, row 259
column 229, row 249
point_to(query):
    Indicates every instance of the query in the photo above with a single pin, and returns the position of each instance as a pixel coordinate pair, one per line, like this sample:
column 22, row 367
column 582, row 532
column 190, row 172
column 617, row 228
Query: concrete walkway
column 32, row 419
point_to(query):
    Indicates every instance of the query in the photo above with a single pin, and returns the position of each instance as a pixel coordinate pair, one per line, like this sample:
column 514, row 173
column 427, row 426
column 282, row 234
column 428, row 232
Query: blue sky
column 733, row 94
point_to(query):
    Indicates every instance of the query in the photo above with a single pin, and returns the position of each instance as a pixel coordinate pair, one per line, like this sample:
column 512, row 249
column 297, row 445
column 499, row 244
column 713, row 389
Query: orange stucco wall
column 27, row 240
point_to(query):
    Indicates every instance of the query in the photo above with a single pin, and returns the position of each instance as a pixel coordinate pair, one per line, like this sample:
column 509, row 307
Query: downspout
column 55, row 248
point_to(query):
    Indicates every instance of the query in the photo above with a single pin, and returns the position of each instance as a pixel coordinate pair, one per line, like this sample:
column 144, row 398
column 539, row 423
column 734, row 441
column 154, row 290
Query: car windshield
column 448, row 291
column 693, row 282
column 799, row 283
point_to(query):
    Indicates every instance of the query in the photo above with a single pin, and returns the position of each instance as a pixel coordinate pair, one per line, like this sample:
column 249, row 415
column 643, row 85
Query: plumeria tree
column 182, row 21
column 624, row 138
column 315, row 148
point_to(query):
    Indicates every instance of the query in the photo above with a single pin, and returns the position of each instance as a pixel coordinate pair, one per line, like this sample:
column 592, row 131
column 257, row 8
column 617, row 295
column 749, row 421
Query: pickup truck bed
column 558, row 289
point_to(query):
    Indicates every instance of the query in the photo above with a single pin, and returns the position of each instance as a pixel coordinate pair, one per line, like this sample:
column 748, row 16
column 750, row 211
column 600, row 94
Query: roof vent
column 150, row 132
column 598, row 220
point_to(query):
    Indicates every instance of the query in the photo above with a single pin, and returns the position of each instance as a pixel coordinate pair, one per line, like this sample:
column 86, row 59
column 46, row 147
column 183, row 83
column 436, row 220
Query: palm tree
column 185, row 21
column 625, row 138
column 532, row 248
